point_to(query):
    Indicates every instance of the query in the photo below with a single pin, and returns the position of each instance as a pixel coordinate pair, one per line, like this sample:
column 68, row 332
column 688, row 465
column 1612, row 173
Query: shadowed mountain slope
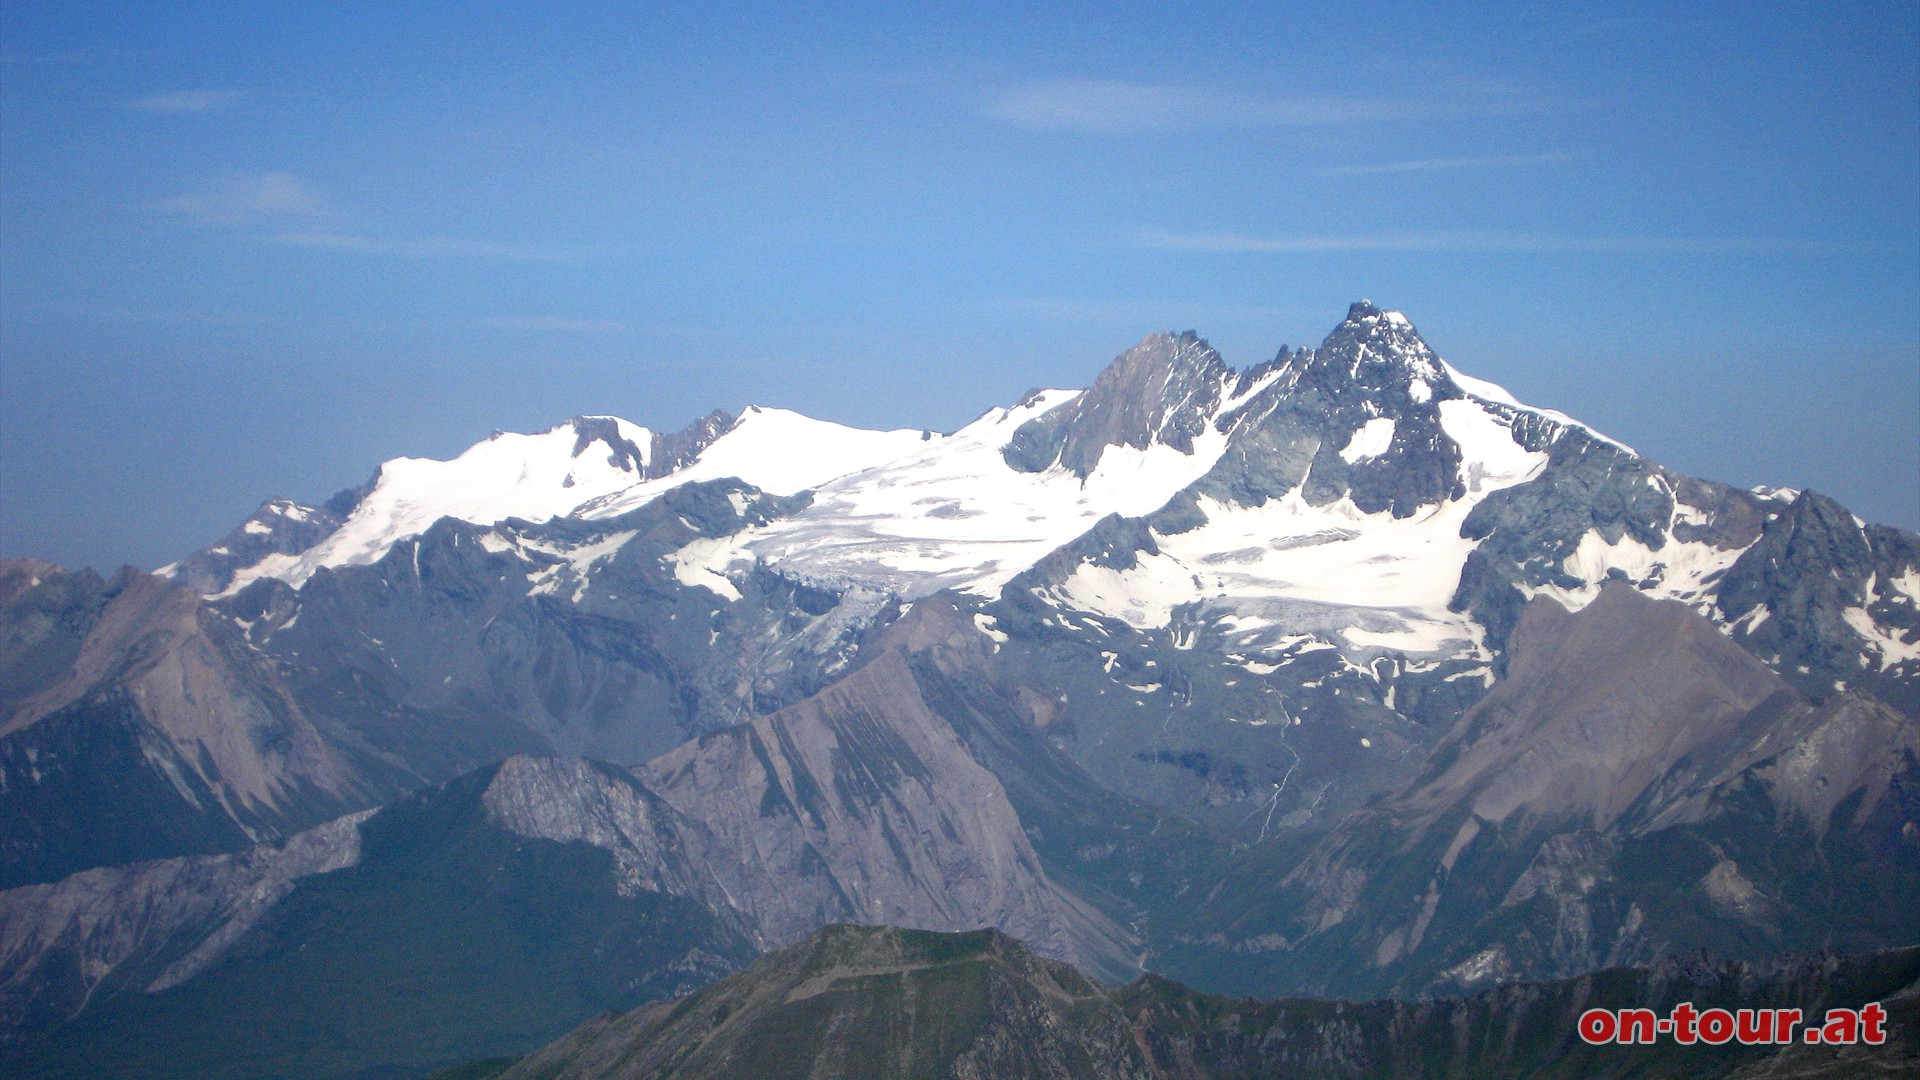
column 1638, row 785
column 136, row 722
column 870, row 1002
column 497, row 909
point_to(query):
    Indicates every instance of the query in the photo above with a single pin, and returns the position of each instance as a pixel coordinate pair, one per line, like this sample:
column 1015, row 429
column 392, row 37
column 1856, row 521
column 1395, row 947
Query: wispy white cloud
column 247, row 197
column 1112, row 107
column 431, row 247
column 278, row 200
column 1462, row 241
column 187, row 101
column 553, row 324
column 1447, row 164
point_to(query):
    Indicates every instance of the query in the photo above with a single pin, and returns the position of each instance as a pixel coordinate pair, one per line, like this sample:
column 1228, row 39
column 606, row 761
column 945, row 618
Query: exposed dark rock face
column 676, row 450
column 140, row 724
column 859, row 802
column 46, row 614
column 1163, row 390
column 1293, row 431
column 665, row 452
column 860, row 1001
column 1812, row 568
column 1638, row 785
column 1173, row 717
column 1528, row 531
column 469, row 643
column 279, row 527
column 622, row 452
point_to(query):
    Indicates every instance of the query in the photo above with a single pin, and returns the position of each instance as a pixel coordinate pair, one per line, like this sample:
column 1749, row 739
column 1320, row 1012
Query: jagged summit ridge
column 1362, row 494
column 1372, row 417
column 1366, row 415
column 1159, row 417
column 1383, row 339
column 1162, row 391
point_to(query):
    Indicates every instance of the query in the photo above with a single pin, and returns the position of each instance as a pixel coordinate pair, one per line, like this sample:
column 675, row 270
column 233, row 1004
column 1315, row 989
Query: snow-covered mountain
column 1364, row 496
column 1256, row 595
column 1230, row 666
column 595, row 466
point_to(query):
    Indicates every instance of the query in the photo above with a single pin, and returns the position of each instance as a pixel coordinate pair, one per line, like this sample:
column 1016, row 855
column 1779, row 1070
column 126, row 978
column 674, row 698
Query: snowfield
column 907, row 513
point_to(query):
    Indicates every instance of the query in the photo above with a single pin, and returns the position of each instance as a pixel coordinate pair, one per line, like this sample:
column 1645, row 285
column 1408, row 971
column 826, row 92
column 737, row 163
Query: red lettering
column 1637, row 1025
column 1752, row 1026
column 1683, row 1018
column 1842, row 1026
column 1872, row 1016
column 1597, row 1026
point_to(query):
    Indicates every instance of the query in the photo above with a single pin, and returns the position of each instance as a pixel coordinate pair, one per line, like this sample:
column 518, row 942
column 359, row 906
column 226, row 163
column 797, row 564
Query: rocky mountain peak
column 672, row 451
column 1381, row 349
column 19, row 575
column 1359, row 416
column 1633, row 756
column 1601, row 703
column 1162, row 391
column 622, row 452
column 279, row 527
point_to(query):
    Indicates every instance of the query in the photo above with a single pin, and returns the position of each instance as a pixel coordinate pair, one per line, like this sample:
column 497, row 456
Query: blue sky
column 250, row 251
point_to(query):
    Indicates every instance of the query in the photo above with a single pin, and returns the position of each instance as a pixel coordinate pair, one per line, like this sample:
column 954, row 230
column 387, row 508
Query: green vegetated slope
column 451, row 939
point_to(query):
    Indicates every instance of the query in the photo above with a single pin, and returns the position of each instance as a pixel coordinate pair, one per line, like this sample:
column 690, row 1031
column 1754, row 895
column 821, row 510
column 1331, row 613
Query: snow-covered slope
column 1358, row 482
column 776, row 450
column 595, row 467
column 1346, row 550
column 1363, row 495
column 956, row 514
column 534, row 477
column 1288, row 570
